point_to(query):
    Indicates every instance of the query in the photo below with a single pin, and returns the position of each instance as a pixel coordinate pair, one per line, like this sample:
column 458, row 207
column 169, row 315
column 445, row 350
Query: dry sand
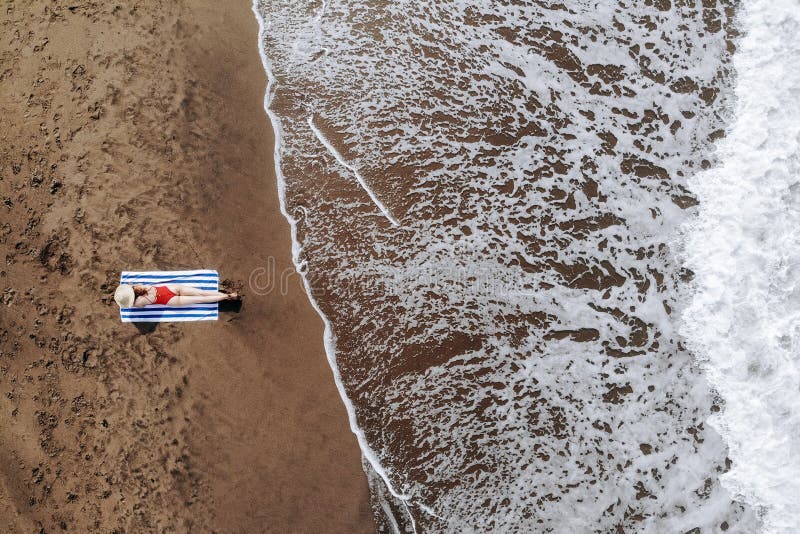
column 132, row 136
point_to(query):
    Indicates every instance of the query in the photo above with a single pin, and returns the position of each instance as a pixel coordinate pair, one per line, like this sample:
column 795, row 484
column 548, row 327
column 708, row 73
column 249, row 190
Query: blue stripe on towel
column 211, row 287
column 173, row 279
column 168, row 275
column 167, row 315
column 202, row 279
column 186, row 281
column 170, row 279
column 178, row 319
column 157, row 307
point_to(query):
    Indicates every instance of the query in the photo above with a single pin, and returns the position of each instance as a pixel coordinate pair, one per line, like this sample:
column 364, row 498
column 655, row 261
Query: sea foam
column 744, row 248
column 482, row 198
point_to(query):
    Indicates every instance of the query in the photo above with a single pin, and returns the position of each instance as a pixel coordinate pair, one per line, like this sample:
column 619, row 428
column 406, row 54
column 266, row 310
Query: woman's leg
column 189, row 291
column 188, row 300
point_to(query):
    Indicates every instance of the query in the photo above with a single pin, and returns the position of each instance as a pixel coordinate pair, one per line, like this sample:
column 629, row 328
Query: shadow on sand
column 230, row 306
column 145, row 328
column 234, row 306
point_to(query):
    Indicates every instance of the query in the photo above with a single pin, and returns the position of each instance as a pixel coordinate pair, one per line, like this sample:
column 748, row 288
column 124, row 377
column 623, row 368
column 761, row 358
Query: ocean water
column 743, row 320
column 490, row 205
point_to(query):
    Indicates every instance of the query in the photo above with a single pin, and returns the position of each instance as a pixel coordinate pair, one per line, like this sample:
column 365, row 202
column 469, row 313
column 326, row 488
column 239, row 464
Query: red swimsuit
column 163, row 295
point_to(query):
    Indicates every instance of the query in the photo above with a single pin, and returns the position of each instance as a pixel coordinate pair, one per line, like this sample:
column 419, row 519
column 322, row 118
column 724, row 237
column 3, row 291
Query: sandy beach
column 134, row 137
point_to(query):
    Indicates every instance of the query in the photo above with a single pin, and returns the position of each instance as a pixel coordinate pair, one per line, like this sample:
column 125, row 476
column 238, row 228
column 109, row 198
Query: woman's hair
column 140, row 290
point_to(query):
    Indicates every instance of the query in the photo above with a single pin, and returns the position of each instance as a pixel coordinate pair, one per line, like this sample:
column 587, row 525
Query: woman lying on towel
column 136, row 296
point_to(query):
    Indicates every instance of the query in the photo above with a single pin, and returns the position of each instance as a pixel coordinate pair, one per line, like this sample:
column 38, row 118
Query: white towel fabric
column 157, row 313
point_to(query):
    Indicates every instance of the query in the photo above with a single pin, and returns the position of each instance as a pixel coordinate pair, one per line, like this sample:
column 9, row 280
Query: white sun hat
column 124, row 296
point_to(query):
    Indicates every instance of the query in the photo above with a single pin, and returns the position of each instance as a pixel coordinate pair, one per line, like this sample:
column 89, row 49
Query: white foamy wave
column 744, row 320
column 481, row 196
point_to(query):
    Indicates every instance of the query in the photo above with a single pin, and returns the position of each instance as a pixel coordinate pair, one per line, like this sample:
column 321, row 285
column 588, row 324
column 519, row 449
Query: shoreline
column 367, row 453
column 230, row 426
column 519, row 328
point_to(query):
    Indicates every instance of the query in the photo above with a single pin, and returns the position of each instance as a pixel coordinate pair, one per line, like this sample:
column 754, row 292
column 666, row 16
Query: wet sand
column 135, row 138
column 510, row 348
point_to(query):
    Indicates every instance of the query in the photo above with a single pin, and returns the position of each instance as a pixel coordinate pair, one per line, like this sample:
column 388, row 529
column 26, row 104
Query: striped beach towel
column 157, row 313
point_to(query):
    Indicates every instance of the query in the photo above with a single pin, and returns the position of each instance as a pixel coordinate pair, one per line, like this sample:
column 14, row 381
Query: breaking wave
column 744, row 319
column 482, row 198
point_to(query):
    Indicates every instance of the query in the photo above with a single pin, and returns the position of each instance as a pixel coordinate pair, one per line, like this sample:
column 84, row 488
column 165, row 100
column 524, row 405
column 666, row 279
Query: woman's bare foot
column 233, row 296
